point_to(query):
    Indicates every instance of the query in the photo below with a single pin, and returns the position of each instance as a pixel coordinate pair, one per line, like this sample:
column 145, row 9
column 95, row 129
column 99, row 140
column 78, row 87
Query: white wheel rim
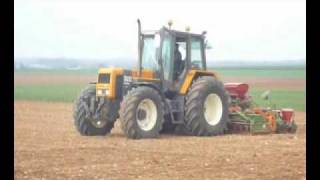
column 147, row 121
column 213, row 109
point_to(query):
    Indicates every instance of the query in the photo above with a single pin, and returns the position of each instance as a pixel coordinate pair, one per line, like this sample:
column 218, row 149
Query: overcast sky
column 242, row 29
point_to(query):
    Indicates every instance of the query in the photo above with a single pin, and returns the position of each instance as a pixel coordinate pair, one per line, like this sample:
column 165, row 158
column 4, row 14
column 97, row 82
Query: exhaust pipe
column 139, row 47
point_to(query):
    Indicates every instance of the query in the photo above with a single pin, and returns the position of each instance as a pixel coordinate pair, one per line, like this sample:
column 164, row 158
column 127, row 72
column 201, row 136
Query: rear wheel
column 94, row 116
column 206, row 109
column 141, row 113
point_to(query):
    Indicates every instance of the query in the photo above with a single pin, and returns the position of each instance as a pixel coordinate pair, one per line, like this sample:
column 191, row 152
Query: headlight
column 106, row 91
column 102, row 92
column 99, row 92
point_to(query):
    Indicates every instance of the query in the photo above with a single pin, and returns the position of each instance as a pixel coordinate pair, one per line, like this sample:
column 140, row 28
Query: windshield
column 149, row 54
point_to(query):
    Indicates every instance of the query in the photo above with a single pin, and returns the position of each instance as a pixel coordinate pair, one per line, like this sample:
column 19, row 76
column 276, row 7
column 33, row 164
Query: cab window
column 149, row 54
column 196, row 54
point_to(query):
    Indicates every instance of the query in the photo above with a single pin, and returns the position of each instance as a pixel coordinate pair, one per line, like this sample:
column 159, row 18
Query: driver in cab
column 177, row 61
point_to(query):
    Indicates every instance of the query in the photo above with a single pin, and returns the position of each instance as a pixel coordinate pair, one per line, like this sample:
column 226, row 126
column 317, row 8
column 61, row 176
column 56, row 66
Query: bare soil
column 269, row 82
column 47, row 146
column 53, row 79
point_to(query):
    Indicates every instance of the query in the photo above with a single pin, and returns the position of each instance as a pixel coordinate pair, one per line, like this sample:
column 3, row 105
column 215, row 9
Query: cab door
column 167, row 53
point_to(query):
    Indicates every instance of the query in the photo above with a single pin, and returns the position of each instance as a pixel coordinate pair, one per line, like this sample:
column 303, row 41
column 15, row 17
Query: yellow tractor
column 170, row 87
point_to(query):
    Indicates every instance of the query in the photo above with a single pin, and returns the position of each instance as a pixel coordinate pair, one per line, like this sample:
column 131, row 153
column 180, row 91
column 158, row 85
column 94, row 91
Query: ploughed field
column 47, row 146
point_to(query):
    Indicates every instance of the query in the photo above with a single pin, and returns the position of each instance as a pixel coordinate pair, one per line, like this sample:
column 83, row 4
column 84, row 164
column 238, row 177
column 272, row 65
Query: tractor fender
column 151, row 85
column 192, row 75
column 136, row 84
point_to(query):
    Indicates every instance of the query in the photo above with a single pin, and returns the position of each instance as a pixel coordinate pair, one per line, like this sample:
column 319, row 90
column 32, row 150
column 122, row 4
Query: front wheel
column 94, row 117
column 141, row 113
column 206, row 109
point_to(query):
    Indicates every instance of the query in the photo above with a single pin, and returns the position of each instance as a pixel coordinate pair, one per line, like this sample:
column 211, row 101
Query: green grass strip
column 67, row 93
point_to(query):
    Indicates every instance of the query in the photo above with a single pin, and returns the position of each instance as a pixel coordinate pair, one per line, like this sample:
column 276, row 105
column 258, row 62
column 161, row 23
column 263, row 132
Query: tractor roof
column 175, row 32
column 184, row 33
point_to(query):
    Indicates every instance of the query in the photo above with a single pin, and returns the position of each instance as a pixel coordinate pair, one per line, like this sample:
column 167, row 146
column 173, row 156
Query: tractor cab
column 171, row 54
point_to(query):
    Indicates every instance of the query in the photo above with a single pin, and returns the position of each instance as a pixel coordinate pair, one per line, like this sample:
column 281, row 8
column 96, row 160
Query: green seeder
column 246, row 116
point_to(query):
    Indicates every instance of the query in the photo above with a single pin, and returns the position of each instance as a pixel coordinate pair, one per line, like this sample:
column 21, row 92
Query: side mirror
column 265, row 95
column 207, row 45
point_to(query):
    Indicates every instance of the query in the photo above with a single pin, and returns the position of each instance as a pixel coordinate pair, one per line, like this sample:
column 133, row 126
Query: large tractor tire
column 206, row 107
column 141, row 113
column 94, row 117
